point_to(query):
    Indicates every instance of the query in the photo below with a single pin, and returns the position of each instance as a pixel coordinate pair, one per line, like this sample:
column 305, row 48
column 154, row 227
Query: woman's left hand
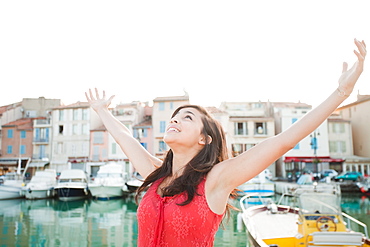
column 349, row 78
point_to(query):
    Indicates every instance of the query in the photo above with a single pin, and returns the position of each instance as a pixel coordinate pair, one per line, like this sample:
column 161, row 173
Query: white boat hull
column 39, row 194
column 10, row 192
column 106, row 192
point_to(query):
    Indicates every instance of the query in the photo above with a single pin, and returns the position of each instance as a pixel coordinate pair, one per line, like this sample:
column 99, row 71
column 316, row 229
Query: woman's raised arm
column 141, row 159
column 240, row 169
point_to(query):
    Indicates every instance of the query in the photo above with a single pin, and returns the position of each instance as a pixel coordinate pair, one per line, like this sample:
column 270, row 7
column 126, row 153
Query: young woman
column 189, row 190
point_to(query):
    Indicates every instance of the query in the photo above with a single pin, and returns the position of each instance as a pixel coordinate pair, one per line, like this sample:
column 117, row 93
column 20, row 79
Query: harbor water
column 50, row 222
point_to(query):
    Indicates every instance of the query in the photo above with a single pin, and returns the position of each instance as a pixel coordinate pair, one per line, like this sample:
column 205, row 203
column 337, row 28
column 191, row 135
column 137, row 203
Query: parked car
column 329, row 173
column 350, row 176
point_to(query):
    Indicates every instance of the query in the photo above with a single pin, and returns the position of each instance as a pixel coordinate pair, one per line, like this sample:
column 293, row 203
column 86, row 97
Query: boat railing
column 244, row 200
column 350, row 219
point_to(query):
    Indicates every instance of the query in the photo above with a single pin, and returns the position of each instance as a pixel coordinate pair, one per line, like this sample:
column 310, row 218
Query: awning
column 313, row 159
column 38, row 164
column 9, row 163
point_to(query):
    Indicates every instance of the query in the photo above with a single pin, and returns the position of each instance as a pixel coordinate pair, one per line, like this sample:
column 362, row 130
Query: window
column 61, row 127
column 98, row 137
column 260, row 128
column 145, row 132
column 241, row 128
column 23, row 149
column 85, row 130
column 162, row 146
column 75, row 129
column 337, row 146
column 104, row 153
column 42, row 134
column 171, row 105
column 144, row 144
column 42, row 153
column 23, row 134
column 10, row 133
column 338, row 128
column 9, row 150
column 257, row 105
column 237, row 149
column 136, row 133
column 342, row 146
column 75, row 114
column 61, row 115
column 162, row 126
column 84, row 114
column 161, row 106
column 96, row 153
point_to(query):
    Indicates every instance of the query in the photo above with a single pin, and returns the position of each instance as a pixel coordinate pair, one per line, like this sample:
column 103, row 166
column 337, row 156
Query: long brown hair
column 213, row 153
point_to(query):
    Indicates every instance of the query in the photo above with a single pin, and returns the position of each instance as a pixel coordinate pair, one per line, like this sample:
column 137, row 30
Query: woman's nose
column 174, row 120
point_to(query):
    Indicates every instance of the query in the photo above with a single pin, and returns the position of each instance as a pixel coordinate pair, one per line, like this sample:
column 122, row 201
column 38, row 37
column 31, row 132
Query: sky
column 273, row 50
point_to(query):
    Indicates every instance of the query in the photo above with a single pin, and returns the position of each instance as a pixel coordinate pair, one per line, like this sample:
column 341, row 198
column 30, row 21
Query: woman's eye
column 189, row 117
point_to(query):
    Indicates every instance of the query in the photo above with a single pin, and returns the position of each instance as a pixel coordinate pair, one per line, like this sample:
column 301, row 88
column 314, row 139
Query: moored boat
column 41, row 185
column 72, row 185
column 13, row 182
column 109, row 182
column 133, row 183
column 364, row 186
column 11, row 186
column 316, row 221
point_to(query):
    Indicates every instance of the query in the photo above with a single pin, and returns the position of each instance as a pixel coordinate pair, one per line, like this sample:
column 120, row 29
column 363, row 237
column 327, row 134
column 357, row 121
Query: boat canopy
column 72, row 173
column 111, row 168
column 319, row 203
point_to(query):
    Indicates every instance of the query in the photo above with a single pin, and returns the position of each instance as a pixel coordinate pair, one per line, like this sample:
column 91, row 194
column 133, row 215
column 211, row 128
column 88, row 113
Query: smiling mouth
column 173, row 130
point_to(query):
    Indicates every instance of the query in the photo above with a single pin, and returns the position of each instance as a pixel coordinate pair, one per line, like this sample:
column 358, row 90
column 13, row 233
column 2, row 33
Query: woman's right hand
column 97, row 102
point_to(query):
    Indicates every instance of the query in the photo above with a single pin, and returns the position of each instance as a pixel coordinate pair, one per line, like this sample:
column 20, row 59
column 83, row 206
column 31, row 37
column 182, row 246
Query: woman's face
column 185, row 129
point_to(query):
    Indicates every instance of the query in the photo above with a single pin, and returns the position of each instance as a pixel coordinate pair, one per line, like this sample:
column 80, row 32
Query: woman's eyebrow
column 190, row 112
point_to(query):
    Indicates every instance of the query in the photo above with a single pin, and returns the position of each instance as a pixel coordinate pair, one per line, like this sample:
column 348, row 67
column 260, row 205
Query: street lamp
column 314, row 146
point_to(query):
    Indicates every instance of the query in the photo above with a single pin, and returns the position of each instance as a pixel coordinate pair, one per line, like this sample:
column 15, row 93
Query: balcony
column 41, row 141
column 41, row 122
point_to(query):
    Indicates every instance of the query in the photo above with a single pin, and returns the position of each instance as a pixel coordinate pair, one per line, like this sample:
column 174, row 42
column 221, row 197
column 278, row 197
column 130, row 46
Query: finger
column 87, row 97
column 97, row 93
column 345, row 67
column 360, row 57
column 361, row 47
column 110, row 98
column 91, row 95
column 103, row 94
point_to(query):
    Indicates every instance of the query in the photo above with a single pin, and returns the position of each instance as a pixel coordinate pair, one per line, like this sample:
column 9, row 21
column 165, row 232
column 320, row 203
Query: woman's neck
column 180, row 160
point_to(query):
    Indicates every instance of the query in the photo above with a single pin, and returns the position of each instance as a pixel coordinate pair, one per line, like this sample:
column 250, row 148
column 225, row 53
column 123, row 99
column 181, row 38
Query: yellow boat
column 317, row 221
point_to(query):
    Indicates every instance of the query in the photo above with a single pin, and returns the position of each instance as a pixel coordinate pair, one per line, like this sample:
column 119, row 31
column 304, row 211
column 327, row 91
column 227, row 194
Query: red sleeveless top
column 164, row 223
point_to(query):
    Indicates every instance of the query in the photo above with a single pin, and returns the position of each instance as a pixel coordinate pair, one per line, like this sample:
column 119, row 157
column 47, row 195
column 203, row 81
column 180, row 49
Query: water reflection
column 75, row 223
column 52, row 222
column 358, row 207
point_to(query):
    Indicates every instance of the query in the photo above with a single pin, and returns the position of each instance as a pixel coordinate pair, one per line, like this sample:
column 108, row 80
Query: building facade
column 358, row 114
column 163, row 107
column 71, row 135
column 249, row 123
column 22, row 119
